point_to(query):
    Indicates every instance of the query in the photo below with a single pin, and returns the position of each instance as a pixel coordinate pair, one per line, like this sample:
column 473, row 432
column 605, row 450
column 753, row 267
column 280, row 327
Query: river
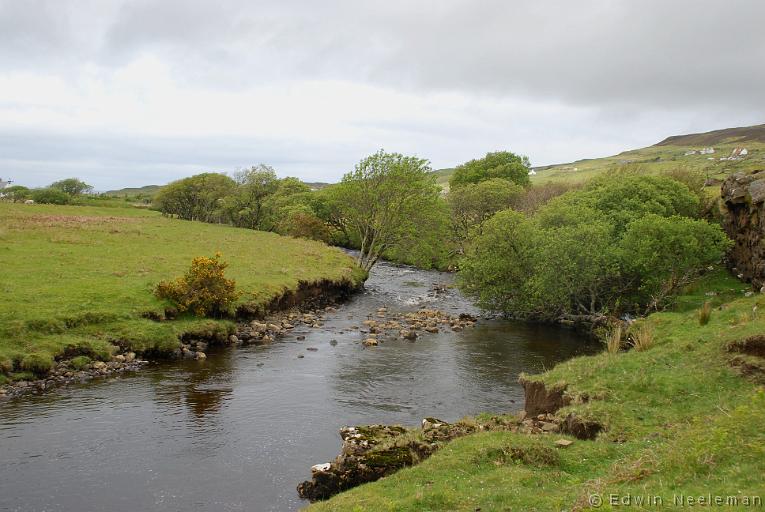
column 239, row 431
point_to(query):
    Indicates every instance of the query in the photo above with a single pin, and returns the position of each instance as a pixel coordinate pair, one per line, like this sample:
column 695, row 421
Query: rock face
column 743, row 212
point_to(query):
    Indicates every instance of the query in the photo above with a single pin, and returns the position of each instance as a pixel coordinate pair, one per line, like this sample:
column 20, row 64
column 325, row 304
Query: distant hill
column 317, row 185
column 726, row 136
column 672, row 152
column 151, row 190
column 148, row 190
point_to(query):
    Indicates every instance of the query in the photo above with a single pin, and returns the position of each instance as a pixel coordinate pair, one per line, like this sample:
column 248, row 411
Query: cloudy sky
column 135, row 92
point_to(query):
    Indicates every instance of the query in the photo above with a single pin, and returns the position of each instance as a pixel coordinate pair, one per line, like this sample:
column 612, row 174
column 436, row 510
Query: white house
column 4, row 184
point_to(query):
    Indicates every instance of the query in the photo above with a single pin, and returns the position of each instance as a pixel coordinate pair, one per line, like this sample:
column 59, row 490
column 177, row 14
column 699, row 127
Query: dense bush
column 501, row 164
column 473, row 204
column 50, row 196
column 203, row 290
column 72, row 186
column 15, row 193
column 620, row 244
column 198, row 197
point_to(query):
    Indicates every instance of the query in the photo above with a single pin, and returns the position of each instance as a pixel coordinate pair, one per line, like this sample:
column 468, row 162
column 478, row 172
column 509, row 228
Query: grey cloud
column 684, row 52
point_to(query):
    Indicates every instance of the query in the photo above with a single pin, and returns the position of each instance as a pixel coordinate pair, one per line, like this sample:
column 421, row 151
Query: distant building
column 704, row 151
column 737, row 154
column 4, row 184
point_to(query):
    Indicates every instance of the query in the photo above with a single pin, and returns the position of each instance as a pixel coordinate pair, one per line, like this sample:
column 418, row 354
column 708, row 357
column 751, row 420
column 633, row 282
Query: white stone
column 320, row 468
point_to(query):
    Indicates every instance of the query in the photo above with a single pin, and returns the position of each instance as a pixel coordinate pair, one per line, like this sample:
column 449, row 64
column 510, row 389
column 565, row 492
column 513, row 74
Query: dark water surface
column 239, row 431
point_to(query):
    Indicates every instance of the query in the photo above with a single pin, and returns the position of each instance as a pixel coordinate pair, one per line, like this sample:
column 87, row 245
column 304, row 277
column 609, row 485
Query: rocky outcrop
column 743, row 218
column 373, row 451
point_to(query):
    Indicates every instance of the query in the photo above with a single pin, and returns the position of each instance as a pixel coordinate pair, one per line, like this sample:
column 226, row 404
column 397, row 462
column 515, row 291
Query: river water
column 239, row 431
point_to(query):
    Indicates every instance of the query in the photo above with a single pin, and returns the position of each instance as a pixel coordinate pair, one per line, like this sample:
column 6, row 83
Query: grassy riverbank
column 78, row 280
column 682, row 418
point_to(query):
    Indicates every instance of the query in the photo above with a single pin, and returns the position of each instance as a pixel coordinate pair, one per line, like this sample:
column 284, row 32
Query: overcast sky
column 134, row 92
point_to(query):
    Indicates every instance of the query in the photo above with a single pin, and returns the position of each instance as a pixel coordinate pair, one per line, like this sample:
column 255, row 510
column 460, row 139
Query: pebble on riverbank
column 407, row 325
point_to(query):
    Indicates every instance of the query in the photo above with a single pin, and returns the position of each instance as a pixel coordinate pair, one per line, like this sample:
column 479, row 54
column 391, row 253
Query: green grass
column 77, row 279
column 678, row 419
column 658, row 159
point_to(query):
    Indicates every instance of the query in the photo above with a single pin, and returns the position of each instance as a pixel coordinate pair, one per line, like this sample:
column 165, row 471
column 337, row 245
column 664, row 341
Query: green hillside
column 668, row 154
column 146, row 191
column 671, row 153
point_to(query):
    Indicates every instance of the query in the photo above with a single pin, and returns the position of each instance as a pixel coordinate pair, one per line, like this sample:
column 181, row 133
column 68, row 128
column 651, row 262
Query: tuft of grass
column 37, row 363
column 614, row 339
column 80, row 362
column 705, row 313
column 532, row 454
column 642, row 337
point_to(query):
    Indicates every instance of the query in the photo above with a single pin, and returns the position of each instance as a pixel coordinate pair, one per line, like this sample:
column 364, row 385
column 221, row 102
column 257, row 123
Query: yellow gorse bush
column 203, row 290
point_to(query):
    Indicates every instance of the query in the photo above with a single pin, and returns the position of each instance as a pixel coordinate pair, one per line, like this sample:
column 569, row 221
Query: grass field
column 679, row 419
column 77, row 279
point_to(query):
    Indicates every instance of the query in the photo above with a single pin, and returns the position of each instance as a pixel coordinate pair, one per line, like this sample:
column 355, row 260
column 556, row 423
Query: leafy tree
column 621, row 244
column 72, row 186
column 290, row 196
column 497, row 268
column 473, row 204
column 50, row 196
column 198, row 197
column 664, row 254
column 430, row 247
column 629, row 197
column 326, row 205
column 304, row 224
column 245, row 206
column 501, row 164
column 15, row 193
column 384, row 200
column 575, row 270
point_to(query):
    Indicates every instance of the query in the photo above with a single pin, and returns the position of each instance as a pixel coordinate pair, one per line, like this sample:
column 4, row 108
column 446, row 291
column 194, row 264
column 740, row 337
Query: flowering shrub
column 203, row 290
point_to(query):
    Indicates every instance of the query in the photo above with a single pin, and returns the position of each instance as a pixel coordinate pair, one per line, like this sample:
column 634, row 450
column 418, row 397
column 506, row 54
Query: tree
column 621, row 244
column 501, row 164
column 290, row 196
column 473, row 204
column 50, row 196
column 198, row 197
column 245, row 206
column 497, row 268
column 664, row 254
column 72, row 186
column 15, row 193
column 384, row 200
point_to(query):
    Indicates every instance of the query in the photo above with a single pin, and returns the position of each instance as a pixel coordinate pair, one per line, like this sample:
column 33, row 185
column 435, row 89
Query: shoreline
column 255, row 324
